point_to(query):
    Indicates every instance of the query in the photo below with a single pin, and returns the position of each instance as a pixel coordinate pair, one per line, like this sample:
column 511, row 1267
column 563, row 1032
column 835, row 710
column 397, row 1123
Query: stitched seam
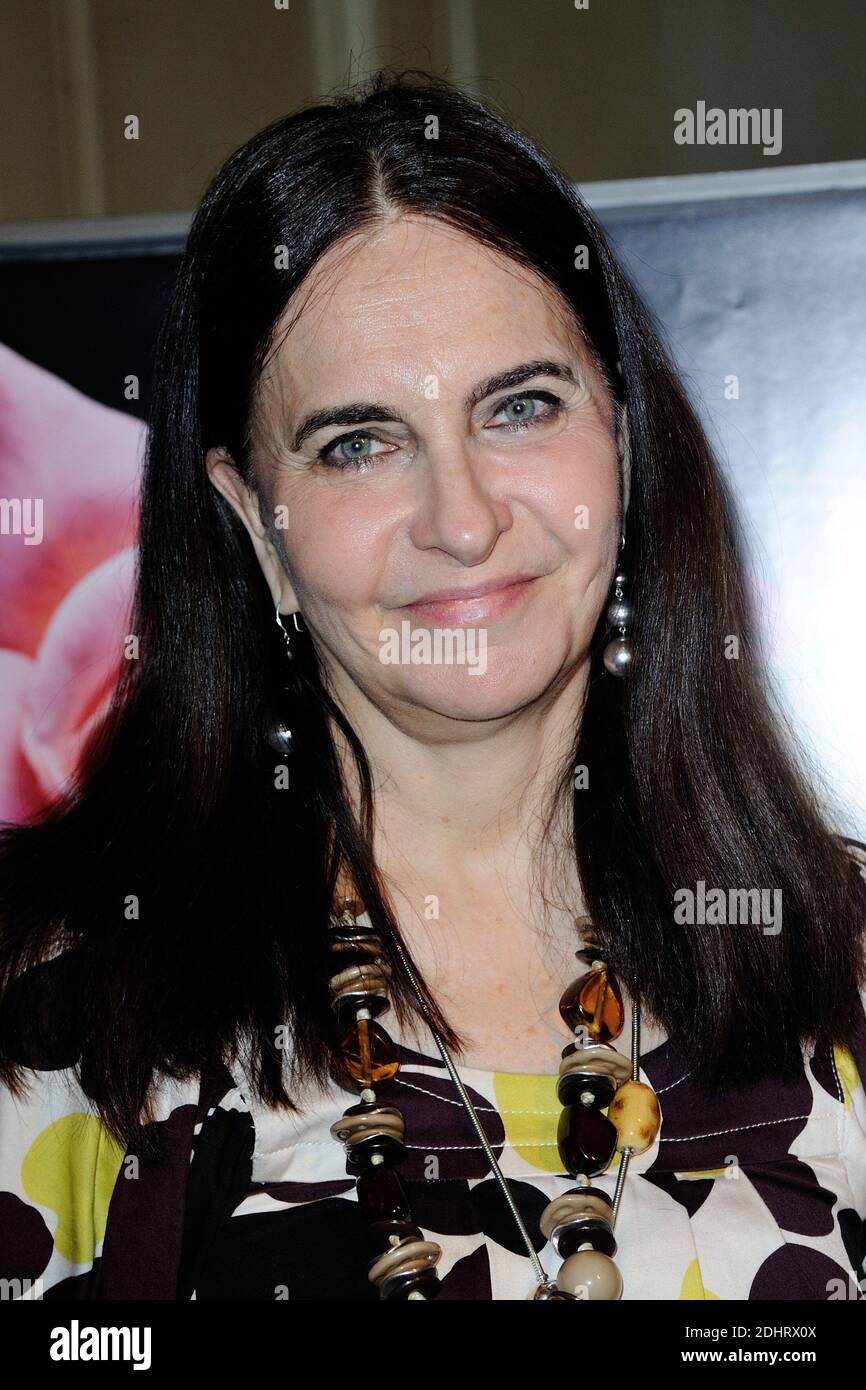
column 736, row 1129
column 527, row 1144
column 492, row 1110
column 840, row 1094
column 301, row 1144
column 446, row 1100
column 476, row 1148
column 421, row 1148
column 662, row 1089
column 326, row 1143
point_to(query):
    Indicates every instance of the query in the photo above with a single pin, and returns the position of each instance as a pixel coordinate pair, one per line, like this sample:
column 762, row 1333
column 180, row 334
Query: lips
column 475, row 591
column 481, row 604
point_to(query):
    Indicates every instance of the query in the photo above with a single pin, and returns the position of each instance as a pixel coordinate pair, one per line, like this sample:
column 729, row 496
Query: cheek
column 336, row 547
column 577, row 494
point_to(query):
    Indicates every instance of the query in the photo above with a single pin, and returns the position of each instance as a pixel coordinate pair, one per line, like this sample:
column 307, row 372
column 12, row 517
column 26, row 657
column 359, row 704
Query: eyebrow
column 363, row 412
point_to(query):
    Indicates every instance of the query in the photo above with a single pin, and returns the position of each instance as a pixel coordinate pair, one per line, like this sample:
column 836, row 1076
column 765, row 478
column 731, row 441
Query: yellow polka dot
column 701, row 1173
column 692, row 1287
column 847, row 1069
column 530, row 1113
column 71, row 1167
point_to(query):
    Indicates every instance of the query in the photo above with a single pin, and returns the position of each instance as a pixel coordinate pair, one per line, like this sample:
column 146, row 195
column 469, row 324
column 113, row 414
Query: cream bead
column 572, row 1206
column 409, row 1255
column 590, row 1275
column 385, row 1120
column 596, row 1059
column 634, row 1113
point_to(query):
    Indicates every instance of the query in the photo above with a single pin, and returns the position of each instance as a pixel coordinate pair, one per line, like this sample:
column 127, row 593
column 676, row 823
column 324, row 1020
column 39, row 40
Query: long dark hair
column 175, row 806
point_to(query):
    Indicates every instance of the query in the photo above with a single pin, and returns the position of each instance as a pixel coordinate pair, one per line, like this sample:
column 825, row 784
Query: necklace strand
column 607, row 1109
column 478, row 1127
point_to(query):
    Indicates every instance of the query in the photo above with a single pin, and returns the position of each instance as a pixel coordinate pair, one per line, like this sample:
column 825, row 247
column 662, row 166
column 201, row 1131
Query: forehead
column 410, row 297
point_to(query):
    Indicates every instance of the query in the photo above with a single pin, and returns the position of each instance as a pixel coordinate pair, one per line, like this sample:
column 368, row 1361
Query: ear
column 227, row 480
column 623, row 445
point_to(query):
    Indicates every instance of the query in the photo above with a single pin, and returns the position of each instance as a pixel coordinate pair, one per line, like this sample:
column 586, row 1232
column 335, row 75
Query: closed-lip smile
column 476, row 591
column 480, row 603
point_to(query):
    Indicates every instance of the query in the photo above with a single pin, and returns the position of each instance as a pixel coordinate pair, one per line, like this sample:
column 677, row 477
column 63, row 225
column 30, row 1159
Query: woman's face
column 432, row 422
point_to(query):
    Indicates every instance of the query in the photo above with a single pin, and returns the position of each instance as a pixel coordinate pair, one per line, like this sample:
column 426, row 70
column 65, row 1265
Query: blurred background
column 117, row 113
column 596, row 86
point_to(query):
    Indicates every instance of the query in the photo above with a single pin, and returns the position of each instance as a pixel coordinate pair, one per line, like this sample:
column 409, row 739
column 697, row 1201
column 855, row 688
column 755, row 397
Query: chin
column 510, row 681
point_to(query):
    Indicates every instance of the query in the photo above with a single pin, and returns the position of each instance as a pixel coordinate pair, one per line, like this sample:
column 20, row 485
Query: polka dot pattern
column 756, row 1194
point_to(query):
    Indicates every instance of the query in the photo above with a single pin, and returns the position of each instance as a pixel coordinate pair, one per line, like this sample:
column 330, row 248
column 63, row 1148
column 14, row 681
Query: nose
column 458, row 511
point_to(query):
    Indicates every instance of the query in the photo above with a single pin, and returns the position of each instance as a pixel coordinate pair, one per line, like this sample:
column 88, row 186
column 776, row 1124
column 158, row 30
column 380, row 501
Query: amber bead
column 381, row 1195
column 594, row 1002
column 586, row 1140
column 366, row 1055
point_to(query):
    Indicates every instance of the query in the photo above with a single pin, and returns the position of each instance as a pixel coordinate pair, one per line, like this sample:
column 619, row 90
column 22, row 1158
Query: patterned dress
column 760, row 1194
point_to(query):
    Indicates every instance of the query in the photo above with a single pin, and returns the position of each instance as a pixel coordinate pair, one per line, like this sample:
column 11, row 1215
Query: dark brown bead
column 570, row 1088
column 399, row 1286
column 345, row 1009
column 589, row 955
column 357, row 933
column 586, row 1139
column 352, row 931
column 391, row 1149
column 381, row 1195
column 594, row 1002
column 381, row 1233
column 366, row 1055
column 587, row 1190
column 591, row 1231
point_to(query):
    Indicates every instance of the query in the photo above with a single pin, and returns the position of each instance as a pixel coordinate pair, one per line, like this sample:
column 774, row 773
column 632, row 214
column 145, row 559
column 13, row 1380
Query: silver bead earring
column 280, row 736
column 618, row 652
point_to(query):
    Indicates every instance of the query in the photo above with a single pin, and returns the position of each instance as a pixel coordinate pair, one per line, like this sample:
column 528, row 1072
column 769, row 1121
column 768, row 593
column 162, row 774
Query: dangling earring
column 279, row 736
column 286, row 634
column 618, row 653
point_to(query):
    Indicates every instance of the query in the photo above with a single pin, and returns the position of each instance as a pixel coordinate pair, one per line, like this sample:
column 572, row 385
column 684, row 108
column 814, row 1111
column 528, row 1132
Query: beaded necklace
column 593, row 1077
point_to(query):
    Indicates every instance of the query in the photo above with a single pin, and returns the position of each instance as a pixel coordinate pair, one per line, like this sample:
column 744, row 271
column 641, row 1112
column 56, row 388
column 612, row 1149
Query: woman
column 510, row 710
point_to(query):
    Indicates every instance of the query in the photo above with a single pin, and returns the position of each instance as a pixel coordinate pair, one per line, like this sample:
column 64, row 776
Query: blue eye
column 356, row 450
column 525, row 409
column 358, row 443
